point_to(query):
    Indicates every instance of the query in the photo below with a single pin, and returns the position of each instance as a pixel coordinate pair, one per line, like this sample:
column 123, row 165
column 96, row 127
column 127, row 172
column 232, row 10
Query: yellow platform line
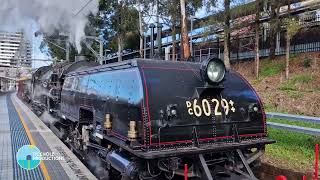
column 42, row 165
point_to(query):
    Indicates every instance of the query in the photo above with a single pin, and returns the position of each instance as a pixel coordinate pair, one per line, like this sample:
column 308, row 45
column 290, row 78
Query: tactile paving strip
column 18, row 139
column 6, row 171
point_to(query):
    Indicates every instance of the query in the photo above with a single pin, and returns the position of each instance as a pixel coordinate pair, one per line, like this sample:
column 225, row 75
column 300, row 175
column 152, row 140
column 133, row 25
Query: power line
column 83, row 7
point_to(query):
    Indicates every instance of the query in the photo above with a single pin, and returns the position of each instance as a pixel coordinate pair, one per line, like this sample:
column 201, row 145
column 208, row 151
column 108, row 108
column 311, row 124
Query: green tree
column 227, row 16
column 120, row 20
column 274, row 25
column 170, row 14
column 257, row 36
column 184, row 32
column 292, row 28
column 169, row 11
column 52, row 46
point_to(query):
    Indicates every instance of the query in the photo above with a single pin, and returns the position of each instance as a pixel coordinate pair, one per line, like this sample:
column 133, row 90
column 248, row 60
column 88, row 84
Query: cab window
column 68, row 83
column 75, row 83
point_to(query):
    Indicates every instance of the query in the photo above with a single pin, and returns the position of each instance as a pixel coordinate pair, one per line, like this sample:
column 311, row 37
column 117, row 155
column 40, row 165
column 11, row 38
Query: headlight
column 213, row 70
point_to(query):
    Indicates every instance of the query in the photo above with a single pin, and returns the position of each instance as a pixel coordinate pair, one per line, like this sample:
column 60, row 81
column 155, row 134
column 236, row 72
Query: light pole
column 99, row 40
column 191, row 29
column 152, row 26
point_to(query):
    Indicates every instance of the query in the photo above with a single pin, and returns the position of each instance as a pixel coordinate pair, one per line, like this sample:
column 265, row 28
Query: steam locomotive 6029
column 148, row 119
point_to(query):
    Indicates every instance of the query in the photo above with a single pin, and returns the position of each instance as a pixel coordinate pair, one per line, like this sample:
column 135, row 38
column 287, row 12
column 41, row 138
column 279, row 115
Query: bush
column 307, row 62
column 293, row 56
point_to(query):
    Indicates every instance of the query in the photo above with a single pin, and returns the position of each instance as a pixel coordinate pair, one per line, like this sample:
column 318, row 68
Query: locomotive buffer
column 20, row 127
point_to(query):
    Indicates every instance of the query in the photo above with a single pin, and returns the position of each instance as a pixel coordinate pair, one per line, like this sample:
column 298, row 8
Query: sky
column 36, row 52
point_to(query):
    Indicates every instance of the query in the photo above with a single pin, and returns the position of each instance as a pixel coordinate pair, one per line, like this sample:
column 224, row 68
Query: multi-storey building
column 15, row 58
column 15, row 50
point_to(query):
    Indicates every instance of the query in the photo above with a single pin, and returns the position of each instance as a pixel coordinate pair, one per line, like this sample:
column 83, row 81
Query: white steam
column 49, row 15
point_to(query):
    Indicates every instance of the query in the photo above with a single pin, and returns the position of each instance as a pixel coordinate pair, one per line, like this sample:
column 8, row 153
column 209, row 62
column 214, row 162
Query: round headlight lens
column 215, row 71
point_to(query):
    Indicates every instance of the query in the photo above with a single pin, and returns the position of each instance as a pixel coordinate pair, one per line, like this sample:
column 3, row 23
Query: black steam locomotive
column 148, row 119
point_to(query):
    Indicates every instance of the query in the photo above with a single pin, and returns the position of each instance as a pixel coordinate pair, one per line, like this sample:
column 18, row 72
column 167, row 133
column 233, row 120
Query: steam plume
column 49, row 15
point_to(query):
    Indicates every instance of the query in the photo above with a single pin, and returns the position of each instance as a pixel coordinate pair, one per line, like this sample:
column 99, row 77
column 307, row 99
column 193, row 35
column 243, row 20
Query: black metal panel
column 167, row 83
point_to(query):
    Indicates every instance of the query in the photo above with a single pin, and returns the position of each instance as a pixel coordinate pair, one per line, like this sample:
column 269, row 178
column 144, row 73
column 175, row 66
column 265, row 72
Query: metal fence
column 202, row 54
column 296, row 48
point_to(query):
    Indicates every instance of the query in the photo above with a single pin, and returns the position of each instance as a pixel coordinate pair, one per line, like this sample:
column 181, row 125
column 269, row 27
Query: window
column 75, row 83
column 68, row 83
column 82, row 84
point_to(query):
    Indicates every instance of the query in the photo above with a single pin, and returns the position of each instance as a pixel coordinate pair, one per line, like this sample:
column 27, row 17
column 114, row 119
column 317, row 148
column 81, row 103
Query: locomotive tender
column 148, row 119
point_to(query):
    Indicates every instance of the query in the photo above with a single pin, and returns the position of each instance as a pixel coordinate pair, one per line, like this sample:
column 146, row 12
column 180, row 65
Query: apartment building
column 15, row 50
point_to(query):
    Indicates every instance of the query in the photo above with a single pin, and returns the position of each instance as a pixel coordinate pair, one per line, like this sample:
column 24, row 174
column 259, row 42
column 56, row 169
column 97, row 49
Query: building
column 15, row 50
column 15, row 58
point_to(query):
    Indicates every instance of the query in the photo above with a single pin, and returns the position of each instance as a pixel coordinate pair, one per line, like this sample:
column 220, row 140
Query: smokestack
column 152, row 26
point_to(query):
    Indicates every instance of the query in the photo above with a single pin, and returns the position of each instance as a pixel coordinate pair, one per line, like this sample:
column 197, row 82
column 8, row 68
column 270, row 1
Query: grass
column 295, row 94
column 295, row 123
column 292, row 150
column 269, row 68
column 302, row 78
column 272, row 108
column 291, row 84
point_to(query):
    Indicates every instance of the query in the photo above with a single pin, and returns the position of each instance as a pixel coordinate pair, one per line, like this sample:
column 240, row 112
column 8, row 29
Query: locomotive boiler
column 148, row 119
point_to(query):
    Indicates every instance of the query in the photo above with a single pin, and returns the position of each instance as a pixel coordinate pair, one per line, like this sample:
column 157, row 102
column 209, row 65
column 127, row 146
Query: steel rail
column 305, row 130
column 292, row 117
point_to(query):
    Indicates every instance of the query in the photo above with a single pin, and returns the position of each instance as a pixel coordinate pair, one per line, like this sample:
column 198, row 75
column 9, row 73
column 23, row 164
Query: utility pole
column 191, row 29
column 145, row 46
column 151, row 26
column 101, row 52
column 158, row 30
column 140, row 30
column 67, row 50
column 159, row 39
column 68, row 47
column 184, row 32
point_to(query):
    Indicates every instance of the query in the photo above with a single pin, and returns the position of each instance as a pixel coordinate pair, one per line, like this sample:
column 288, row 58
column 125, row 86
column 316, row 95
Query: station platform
column 19, row 127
